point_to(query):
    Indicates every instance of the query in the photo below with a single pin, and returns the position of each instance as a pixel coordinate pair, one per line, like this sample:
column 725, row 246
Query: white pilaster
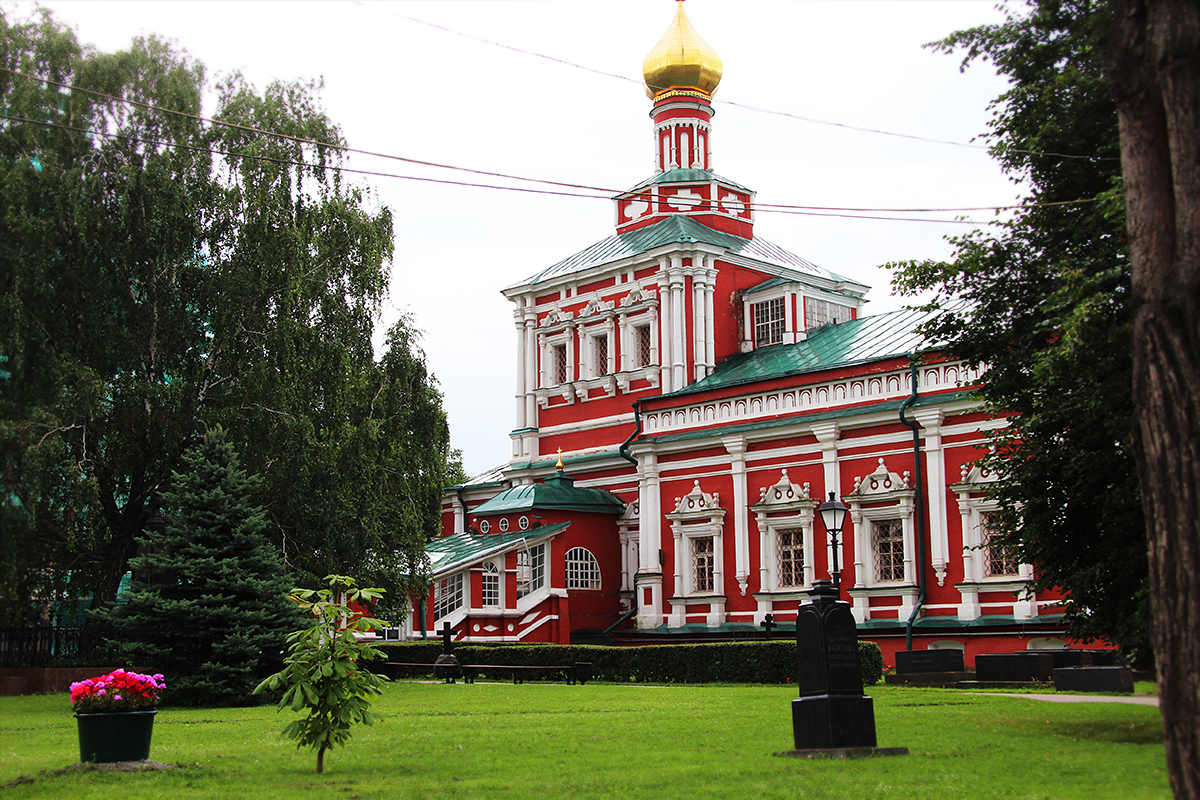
column 736, row 447
column 649, row 579
column 935, row 481
column 710, row 336
column 678, row 325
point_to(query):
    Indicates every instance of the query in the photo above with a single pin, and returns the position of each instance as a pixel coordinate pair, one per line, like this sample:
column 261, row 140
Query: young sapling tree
column 321, row 673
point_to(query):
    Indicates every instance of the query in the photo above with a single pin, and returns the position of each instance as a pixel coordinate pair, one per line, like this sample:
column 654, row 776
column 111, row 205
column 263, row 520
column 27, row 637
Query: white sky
column 408, row 89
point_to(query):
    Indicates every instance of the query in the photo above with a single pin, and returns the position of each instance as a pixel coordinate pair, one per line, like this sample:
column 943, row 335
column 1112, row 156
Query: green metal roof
column 685, row 176
column 559, row 492
column 679, row 228
column 846, row 343
column 452, row 553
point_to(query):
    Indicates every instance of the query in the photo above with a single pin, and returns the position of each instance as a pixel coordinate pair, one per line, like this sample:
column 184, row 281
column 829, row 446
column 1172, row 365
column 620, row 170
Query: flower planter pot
column 115, row 736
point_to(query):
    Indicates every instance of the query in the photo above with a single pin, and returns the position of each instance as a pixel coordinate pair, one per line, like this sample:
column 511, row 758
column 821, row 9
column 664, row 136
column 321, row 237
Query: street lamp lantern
column 833, row 517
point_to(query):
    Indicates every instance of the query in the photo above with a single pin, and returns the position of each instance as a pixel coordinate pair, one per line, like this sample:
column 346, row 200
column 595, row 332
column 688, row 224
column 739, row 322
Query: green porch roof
column 559, row 492
column 674, row 230
column 847, row 343
column 452, row 553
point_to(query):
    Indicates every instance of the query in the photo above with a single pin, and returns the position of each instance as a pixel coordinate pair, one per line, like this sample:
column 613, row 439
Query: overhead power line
column 423, row 179
column 757, row 109
column 606, row 192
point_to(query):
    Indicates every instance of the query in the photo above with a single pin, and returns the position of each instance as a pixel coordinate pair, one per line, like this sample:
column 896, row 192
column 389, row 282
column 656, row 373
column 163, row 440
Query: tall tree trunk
column 1154, row 71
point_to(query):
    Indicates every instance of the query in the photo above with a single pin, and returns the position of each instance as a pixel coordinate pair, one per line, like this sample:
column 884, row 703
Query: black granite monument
column 446, row 665
column 832, row 711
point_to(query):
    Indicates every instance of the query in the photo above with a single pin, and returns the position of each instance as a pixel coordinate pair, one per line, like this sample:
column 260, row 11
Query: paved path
column 1136, row 699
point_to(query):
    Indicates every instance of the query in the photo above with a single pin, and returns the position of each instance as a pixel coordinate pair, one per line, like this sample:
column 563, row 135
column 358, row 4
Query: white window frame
column 583, row 570
column 974, row 506
column 782, row 507
column 448, row 595
column 819, row 312
column 880, row 496
column 491, row 587
column 775, row 326
column 797, row 534
column 894, row 527
column 531, row 570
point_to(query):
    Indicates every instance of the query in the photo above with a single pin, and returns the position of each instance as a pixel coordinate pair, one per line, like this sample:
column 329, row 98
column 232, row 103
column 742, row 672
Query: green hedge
column 733, row 662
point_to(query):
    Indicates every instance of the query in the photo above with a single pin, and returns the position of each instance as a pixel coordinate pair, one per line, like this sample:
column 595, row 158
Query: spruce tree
column 208, row 604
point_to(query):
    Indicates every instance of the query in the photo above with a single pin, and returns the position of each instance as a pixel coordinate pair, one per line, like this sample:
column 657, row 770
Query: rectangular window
column 560, row 363
column 821, row 312
column 641, row 346
column 600, row 353
column 790, row 547
column 768, row 322
column 998, row 560
column 531, row 570
column 490, row 585
column 447, row 595
column 702, row 564
column 888, row 543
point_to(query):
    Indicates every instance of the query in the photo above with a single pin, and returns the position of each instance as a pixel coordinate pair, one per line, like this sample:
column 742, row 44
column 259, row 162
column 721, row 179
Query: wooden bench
column 580, row 672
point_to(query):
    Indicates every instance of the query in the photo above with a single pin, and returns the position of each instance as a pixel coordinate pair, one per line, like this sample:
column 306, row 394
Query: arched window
column 582, row 570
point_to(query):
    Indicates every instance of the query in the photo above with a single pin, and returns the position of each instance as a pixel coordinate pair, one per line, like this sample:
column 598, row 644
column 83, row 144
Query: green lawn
column 550, row 740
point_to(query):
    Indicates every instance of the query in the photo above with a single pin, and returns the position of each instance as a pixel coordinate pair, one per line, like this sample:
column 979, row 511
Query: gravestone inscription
column 832, row 711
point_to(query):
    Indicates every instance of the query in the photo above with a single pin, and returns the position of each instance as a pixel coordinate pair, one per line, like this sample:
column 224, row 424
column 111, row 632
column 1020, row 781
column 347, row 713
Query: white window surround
column 448, row 595
column 879, row 497
column 973, row 505
column 783, row 506
column 536, row 588
column 771, row 322
column 583, row 570
column 491, row 587
column 697, row 515
column 629, row 534
column 592, row 339
column 820, row 311
column 547, row 342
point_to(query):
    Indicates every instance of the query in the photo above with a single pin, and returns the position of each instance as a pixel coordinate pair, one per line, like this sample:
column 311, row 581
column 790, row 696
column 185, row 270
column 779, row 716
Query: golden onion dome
column 681, row 62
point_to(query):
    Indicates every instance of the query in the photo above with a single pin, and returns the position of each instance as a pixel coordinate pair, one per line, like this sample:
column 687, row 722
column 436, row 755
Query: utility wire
column 377, row 174
column 756, row 109
column 771, row 207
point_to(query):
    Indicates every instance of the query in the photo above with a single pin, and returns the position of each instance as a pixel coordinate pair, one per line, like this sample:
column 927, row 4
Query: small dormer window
column 818, row 313
column 769, row 322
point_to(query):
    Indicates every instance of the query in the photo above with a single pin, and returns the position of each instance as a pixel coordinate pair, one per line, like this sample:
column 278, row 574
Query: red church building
column 687, row 394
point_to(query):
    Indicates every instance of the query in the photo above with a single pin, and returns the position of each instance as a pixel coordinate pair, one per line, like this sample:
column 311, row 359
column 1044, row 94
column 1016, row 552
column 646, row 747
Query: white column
column 665, row 318
column 531, row 370
column 710, row 336
column 678, row 324
column 736, row 447
column 623, row 336
column 827, row 434
column 860, row 606
column 649, row 578
column 935, row 481
column 699, row 319
column 522, row 366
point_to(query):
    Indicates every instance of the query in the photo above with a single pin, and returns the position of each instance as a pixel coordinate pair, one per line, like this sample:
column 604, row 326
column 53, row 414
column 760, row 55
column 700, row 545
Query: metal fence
column 53, row 646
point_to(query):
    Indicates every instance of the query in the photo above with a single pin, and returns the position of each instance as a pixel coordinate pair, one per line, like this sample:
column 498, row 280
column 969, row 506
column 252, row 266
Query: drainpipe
column 637, row 418
column 462, row 504
column 920, row 532
column 625, row 616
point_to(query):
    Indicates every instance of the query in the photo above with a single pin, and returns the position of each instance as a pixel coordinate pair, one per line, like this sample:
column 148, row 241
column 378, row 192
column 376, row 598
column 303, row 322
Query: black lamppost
column 833, row 517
